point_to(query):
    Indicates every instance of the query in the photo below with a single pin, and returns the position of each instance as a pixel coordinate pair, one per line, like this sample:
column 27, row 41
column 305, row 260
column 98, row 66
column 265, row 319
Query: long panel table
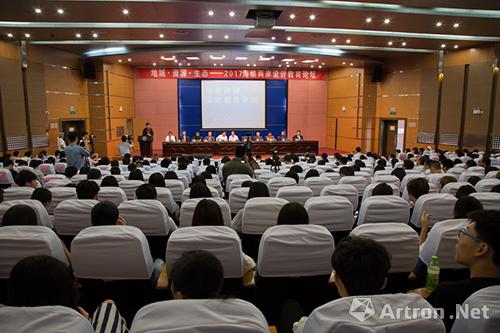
column 227, row 148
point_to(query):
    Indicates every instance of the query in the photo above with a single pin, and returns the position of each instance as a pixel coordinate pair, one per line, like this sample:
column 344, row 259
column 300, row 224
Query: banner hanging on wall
column 221, row 73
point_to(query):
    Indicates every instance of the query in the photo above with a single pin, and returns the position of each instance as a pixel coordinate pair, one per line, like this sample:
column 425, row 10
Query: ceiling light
column 27, row 35
column 443, row 46
column 387, row 21
column 241, row 58
column 38, row 10
column 180, row 64
column 456, row 25
column 261, row 58
column 389, row 43
column 254, row 65
column 226, row 36
column 343, row 63
column 167, row 59
column 368, row 20
column 439, row 24
column 211, row 13
column 292, row 16
column 287, row 60
column 161, row 35
column 312, row 17
column 312, row 66
column 403, row 44
column 210, row 36
column 307, row 61
column 215, row 64
column 78, row 35
column 279, row 65
column 455, row 46
column 273, row 38
column 289, row 38
column 248, row 65
column 222, row 64
column 95, row 35
column 192, row 58
column 217, row 57
column 231, row 14
column 154, row 63
column 351, row 64
column 334, row 40
column 119, row 60
column 316, row 60
column 125, row 12
column 287, row 66
column 188, row 64
column 261, row 48
column 348, row 41
column 10, row 35
column 129, row 60
column 60, row 11
column 295, row 63
column 176, row 61
column 320, row 66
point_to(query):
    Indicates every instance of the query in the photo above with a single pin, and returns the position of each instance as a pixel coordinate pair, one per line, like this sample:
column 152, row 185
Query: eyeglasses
column 462, row 232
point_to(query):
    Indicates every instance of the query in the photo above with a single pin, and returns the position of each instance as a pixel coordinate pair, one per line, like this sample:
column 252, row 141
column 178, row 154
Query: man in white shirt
column 222, row 137
column 170, row 137
column 124, row 147
column 233, row 137
column 61, row 144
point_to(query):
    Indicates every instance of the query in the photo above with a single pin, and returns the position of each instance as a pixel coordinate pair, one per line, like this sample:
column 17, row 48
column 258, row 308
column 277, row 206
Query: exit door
column 392, row 136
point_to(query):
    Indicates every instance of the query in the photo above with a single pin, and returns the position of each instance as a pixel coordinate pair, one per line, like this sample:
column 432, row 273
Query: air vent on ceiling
column 265, row 20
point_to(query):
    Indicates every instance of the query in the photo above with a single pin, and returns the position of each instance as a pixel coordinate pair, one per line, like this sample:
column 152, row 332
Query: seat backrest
column 334, row 176
column 388, row 179
column 129, row 187
column 435, row 178
column 297, row 193
column 176, row 187
column 165, row 196
column 316, row 184
column 186, row 193
column 274, row 184
column 112, row 193
column 19, row 242
column 47, row 169
column 295, row 250
column 365, row 175
column 400, row 240
column 490, row 297
column 359, row 182
column 6, row 177
column 188, row 207
column 215, row 183
column 78, row 178
column 221, row 241
column 59, row 194
column 260, row 213
column 56, row 182
column 466, row 175
column 452, row 188
column 489, row 175
column 384, row 208
column 17, row 193
column 111, row 252
column 489, row 200
column 235, row 183
column 439, row 205
column 476, row 169
column 409, row 177
column 232, row 177
column 148, row 215
column 347, row 191
column 40, row 319
column 73, row 215
column 60, row 167
column 485, row 185
column 331, row 211
column 369, row 190
column 42, row 217
column 364, row 315
column 230, row 315
column 237, row 198
column 441, row 241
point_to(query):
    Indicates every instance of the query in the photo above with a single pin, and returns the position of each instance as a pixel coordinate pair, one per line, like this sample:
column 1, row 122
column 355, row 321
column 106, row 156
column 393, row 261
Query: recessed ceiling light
column 389, row 43
column 27, row 35
column 95, row 35
column 222, row 64
column 188, row 64
column 180, row 64
column 295, row 63
column 455, row 46
column 215, row 64
column 287, row 60
column 210, row 36
column 161, row 35
column 176, row 61
column 125, row 11
column 292, row 16
column 248, row 65
column 231, row 14
column 439, row 24
column 312, row 17
column 211, row 13
column 387, row 21
column 403, row 44
column 254, row 65
column 78, row 35
column 307, row 61
column 312, row 66
column 320, row 66
column 192, row 58
column 119, row 60
column 289, row 38
column 273, row 38
column 443, row 46
column 217, row 57
column 226, row 36
column 287, row 65
column 38, row 10
column 154, row 63
column 368, row 20
column 343, row 63
column 351, row 64
column 241, row 58
column 334, row 40
column 10, row 35
column 456, row 25
column 60, row 11
column 279, row 65
column 348, row 41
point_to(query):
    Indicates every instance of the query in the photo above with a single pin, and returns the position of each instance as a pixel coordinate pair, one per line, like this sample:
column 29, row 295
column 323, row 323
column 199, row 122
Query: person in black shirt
column 478, row 248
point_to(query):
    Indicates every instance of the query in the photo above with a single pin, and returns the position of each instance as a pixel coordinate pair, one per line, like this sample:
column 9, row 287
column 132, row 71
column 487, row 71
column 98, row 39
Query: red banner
column 221, row 73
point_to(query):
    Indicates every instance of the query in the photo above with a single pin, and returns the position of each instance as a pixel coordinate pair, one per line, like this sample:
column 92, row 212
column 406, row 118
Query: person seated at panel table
column 270, row 137
column 282, row 136
column 257, row 137
column 197, row 137
column 222, row 137
column 209, row 137
column 170, row 137
column 233, row 137
column 184, row 137
column 298, row 136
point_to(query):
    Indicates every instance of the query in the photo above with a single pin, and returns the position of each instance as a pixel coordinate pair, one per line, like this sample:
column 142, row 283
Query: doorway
column 77, row 126
column 392, row 135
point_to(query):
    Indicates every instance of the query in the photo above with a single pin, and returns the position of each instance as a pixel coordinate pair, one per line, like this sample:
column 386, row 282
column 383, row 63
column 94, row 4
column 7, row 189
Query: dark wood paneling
column 12, row 97
column 451, row 100
column 428, row 100
column 37, row 98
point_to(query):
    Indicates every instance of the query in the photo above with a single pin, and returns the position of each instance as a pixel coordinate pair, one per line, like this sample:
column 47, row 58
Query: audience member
column 136, row 174
column 382, row 189
column 87, row 189
column 293, row 213
column 157, row 180
column 43, row 195
column 19, row 215
column 109, row 181
column 464, row 190
column 416, row 188
column 106, row 213
column 473, row 180
column 94, row 173
column 445, row 180
column 199, row 190
column 171, row 175
column 26, row 178
column 292, row 174
column 311, row 173
column 146, row 192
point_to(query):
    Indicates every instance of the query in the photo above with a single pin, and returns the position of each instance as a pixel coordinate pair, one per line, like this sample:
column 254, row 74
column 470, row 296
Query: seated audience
column 19, row 215
column 43, row 195
column 346, row 171
column 473, row 180
column 136, row 174
column 416, row 188
column 171, row 175
column 146, row 192
column 106, row 213
column 292, row 174
column 293, row 213
column 399, row 172
column 257, row 190
column 87, row 189
column 94, row 173
column 157, row 180
column 311, row 173
column 109, row 181
column 199, row 190
column 495, row 188
column 465, row 190
column 382, row 189
column 26, row 178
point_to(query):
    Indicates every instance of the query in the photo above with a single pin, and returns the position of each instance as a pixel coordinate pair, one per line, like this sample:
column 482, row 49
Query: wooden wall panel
column 428, row 100
column 496, row 120
column 12, row 97
column 37, row 99
column 452, row 99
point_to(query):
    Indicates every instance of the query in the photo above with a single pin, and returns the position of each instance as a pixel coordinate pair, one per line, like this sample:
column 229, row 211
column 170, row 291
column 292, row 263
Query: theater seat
column 359, row 182
column 298, row 193
column 347, row 191
column 388, row 179
column 439, row 205
column 47, row 169
column 435, row 178
column 186, row 193
column 165, row 196
column 232, row 177
column 237, row 199
column 56, row 182
column 176, row 187
column 316, row 184
column 6, row 178
column 452, row 188
column 352, row 314
column 60, row 167
column 369, row 190
column 59, row 194
column 189, row 206
column 129, row 187
column 485, row 185
column 71, row 216
column 215, row 183
column 334, row 176
column 42, row 319
column 205, row 316
column 150, row 216
column 42, row 216
column 333, row 212
column 17, row 193
column 235, row 183
column 111, row 193
column 489, row 200
column 384, row 209
column 407, row 178
column 274, row 184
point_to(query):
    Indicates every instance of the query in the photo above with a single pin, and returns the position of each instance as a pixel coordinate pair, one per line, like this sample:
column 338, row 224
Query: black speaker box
column 378, row 73
column 89, row 70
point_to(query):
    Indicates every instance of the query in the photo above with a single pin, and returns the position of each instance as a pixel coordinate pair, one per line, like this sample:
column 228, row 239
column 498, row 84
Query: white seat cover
column 265, row 177
column 452, row 188
column 409, row 177
column 42, row 217
column 489, row 200
column 232, row 177
column 148, row 215
column 78, row 178
column 112, row 193
column 441, row 241
column 235, row 183
column 185, row 181
column 17, row 193
column 339, row 316
column 260, row 214
column 56, row 182
column 489, row 175
column 274, row 184
column 485, row 185
column 48, row 178
column 47, row 169
column 176, row 187
column 111, row 253
column 466, row 175
column 333, row 212
column 297, row 193
column 186, row 193
column 238, row 198
column 295, row 250
column 439, row 205
column 59, row 194
column 189, row 206
column 19, row 242
column 221, row 241
column 73, row 215
column 400, row 240
column 435, row 178
column 316, row 184
column 43, row 319
column 230, row 315
column 384, row 208
column 369, row 190
column 359, row 182
column 334, row 176
column 129, row 187
column 347, row 191
column 388, row 179
column 60, row 167
column 365, row 175
column 6, row 177
column 490, row 297
column 165, row 196
column 215, row 183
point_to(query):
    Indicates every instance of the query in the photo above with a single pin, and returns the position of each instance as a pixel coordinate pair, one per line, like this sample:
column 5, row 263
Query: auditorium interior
column 249, row 166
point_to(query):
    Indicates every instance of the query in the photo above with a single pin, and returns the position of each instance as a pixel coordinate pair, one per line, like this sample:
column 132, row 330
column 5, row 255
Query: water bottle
column 432, row 275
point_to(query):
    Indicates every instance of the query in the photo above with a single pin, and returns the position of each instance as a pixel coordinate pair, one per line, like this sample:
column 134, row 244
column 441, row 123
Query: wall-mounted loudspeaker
column 89, row 70
column 378, row 73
